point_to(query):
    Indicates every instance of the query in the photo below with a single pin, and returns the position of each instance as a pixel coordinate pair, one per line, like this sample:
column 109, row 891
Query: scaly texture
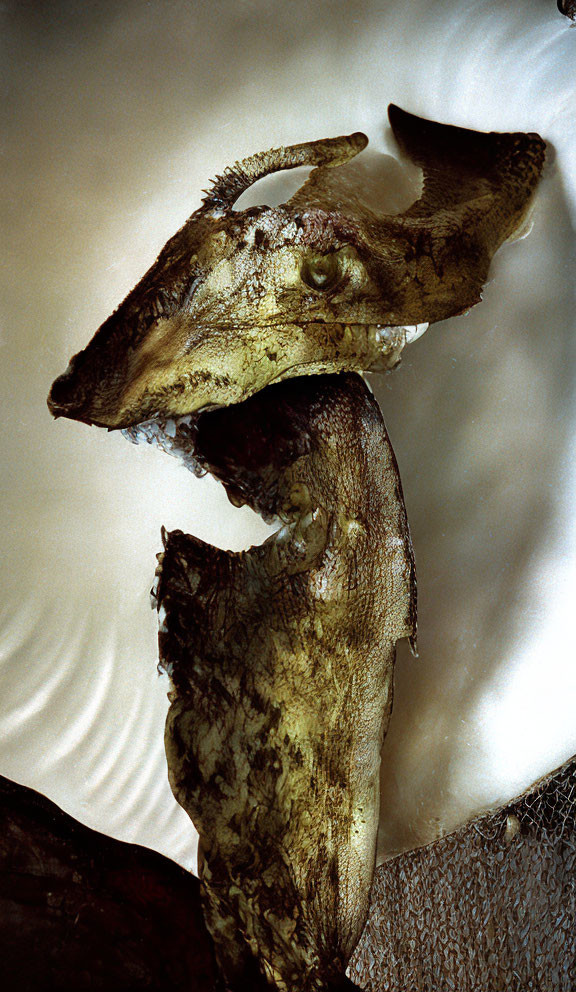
column 282, row 662
column 490, row 907
column 241, row 299
column 282, row 657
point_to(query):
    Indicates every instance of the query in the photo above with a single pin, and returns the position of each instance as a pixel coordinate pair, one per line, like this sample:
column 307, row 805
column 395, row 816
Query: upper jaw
column 218, row 366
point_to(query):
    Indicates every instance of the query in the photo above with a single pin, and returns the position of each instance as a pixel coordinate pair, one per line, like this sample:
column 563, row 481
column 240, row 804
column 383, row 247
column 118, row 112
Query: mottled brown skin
column 281, row 659
column 241, row 299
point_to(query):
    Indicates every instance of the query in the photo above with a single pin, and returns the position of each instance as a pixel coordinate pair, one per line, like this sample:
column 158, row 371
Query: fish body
column 281, row 660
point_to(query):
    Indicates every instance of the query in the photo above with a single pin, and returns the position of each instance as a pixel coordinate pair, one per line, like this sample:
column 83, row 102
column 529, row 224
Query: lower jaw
column 260, row 663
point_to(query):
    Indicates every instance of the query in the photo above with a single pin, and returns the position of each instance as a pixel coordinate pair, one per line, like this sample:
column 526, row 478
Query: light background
column 116, row 114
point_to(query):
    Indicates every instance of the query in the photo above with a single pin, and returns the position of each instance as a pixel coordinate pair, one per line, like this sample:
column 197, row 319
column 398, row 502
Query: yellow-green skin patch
column 323, row 283
column 282, row 657
column 282, row 664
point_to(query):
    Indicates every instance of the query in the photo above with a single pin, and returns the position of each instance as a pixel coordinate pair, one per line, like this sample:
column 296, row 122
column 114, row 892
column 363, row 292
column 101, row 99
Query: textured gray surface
column 491, row 907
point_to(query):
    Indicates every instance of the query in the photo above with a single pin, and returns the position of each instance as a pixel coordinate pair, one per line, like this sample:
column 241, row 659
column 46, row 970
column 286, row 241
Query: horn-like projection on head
column 240, row 299
column 431, row 261
column 236, row 179
column 281, row 658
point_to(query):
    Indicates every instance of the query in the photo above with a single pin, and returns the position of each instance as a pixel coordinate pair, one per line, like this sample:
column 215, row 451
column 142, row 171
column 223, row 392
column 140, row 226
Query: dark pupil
column 321, row 272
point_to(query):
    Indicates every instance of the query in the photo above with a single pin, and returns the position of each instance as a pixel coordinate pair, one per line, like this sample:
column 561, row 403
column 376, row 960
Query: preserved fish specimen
column 238, row 300
column 282, row 657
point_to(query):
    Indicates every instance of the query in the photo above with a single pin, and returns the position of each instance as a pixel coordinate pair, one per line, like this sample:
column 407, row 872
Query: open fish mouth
column 323, row 283
column 281, row 657
column 177, row 435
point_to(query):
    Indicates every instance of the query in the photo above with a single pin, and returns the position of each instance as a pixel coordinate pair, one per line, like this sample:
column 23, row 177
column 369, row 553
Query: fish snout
column 67, row 397
column 88, row 391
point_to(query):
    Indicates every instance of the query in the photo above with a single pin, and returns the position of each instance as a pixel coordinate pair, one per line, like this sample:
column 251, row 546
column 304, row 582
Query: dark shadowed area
column 491, row 906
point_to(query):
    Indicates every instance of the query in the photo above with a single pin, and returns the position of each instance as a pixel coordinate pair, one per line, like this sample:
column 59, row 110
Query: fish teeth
column 131, row 434
column 154, row 591
column 173, row 435
column 389, row 334
column 415, row 331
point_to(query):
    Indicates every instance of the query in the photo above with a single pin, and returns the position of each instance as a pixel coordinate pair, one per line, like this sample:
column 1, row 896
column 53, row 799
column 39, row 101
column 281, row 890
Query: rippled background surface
column 116, row 115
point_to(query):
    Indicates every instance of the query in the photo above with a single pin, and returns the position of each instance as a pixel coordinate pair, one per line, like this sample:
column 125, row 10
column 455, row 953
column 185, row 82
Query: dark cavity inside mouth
column 247, row 446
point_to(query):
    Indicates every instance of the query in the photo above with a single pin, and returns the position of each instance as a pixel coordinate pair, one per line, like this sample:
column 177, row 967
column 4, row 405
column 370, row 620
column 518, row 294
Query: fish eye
column 321, row 272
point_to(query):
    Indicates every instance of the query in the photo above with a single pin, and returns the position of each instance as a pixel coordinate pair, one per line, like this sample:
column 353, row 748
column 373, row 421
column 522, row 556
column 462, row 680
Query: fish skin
column 323, row 283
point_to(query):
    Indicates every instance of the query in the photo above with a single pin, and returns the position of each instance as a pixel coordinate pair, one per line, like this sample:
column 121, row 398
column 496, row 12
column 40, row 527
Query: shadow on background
column 480, row 418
